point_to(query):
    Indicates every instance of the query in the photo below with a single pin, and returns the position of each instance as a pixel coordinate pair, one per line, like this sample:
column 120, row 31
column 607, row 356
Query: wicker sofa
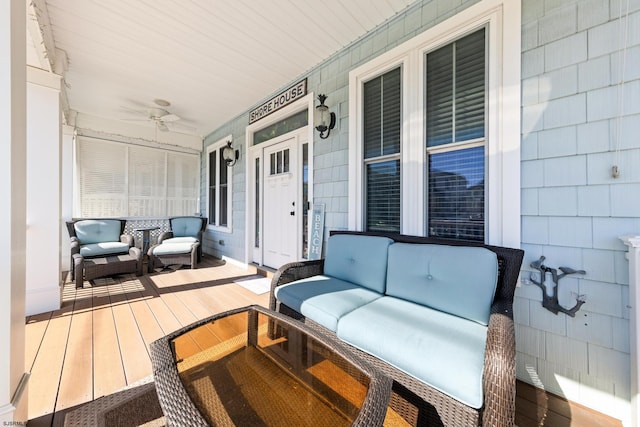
column 434, row 315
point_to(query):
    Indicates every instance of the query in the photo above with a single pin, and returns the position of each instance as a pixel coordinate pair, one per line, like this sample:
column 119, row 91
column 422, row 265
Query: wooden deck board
column 78, row 357
column 34, row 334
column 98, row 340
column 133, row 351
column 108, row 372
column 48, row 363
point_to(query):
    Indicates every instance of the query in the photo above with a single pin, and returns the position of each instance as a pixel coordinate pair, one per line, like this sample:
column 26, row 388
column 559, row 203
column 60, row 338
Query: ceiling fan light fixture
column 161, row 102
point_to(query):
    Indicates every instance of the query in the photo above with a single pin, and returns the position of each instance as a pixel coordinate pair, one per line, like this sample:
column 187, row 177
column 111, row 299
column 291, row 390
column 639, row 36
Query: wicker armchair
column 182, row 245
column 98, row 237
column 417, row 402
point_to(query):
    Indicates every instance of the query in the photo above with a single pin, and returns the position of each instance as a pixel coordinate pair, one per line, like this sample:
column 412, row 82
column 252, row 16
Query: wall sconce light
column 324, row 119
column 230, row 155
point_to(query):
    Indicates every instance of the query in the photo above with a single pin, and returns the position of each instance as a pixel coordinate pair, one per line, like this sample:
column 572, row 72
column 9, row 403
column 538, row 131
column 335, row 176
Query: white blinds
column 116, row 179
column 183, row 177
column 102, row 179
column 146, row 182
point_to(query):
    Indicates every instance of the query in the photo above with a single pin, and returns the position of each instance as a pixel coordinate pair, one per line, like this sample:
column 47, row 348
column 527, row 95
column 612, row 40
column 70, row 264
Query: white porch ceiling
column 211, row 59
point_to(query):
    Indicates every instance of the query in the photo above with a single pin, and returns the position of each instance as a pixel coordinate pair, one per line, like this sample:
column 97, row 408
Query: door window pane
column 291, row 123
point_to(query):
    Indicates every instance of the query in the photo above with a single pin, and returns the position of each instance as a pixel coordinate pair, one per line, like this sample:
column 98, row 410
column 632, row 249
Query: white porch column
column 66, row 169
column 633, row 242
column 13, row 202
column 44, row 143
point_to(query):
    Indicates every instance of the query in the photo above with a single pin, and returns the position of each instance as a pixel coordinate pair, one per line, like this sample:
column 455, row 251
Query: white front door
column 280, row 200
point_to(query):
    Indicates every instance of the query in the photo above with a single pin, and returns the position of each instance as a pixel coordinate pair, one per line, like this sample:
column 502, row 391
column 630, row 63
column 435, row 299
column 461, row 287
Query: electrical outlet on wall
column 523, row 281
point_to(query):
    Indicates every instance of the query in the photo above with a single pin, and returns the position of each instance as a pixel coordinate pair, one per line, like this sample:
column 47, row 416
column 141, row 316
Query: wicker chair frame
column 75, row 243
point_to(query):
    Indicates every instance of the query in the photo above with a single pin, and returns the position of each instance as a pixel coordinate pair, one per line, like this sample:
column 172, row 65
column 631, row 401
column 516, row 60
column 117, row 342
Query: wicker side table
column 92, row 268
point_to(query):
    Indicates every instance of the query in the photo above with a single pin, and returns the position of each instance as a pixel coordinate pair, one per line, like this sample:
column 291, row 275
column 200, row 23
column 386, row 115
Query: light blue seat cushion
column 358, row 259
column 97, row 230
column 182, row 227
column 454, row 279
column 444, row 351
column 172, row 248
column 185, row 239
column 102, row 249
column 324, row 299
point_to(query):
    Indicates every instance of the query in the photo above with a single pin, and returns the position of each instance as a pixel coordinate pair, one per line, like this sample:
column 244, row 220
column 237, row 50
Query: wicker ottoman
column 92, row 268
column 166, row 254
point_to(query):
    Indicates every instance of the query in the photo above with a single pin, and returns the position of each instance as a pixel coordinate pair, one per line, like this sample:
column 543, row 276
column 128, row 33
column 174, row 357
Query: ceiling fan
column 157, row 114
column 161, row 117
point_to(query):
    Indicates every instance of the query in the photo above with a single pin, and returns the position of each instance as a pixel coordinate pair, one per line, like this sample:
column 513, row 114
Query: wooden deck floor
column 97, row 343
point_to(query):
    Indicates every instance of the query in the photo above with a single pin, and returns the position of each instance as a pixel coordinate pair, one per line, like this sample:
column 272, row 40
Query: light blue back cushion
column 97, row 230
column 459, row 280
column 183, row 227
column 444, row 351
column 358, row 259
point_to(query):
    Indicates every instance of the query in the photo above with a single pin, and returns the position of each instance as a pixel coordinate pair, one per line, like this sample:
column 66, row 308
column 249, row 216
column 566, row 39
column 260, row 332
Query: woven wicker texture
column 415, row 401
column 92, row 268
column 276, row 373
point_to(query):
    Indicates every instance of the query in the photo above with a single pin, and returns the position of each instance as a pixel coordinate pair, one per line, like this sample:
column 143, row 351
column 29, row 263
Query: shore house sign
column 295, row 92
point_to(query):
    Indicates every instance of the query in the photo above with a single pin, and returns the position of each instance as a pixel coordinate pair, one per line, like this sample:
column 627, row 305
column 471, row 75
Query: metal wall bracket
column 550, row 302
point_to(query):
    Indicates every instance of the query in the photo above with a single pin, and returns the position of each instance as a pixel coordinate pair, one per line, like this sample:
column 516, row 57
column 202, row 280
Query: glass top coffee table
column 252, row 366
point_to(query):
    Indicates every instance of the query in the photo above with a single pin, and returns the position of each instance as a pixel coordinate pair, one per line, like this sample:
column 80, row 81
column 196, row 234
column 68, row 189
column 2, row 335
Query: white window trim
column 216, row 146
column 502, row 18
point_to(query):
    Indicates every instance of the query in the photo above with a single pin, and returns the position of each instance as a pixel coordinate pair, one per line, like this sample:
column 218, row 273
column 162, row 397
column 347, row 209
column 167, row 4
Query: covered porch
column 566, row 129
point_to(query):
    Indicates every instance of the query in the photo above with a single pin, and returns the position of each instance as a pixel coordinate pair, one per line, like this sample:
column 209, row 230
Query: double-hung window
column 455, row 138
column 434, row 139
column 219, row 187
column 381, row 131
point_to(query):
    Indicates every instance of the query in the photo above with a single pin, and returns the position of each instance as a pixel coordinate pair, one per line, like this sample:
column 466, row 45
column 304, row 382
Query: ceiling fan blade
column 170, row 118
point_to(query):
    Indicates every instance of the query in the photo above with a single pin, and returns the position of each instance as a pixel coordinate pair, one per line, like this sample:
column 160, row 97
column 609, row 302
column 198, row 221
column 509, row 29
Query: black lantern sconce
column 230, row 155
column 324, row 119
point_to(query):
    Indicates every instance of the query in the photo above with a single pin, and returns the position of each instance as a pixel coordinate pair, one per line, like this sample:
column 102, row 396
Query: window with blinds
column 116, row 179
column 382, row 115
column 219, row 186
column 455, row 138
column 456, row 91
